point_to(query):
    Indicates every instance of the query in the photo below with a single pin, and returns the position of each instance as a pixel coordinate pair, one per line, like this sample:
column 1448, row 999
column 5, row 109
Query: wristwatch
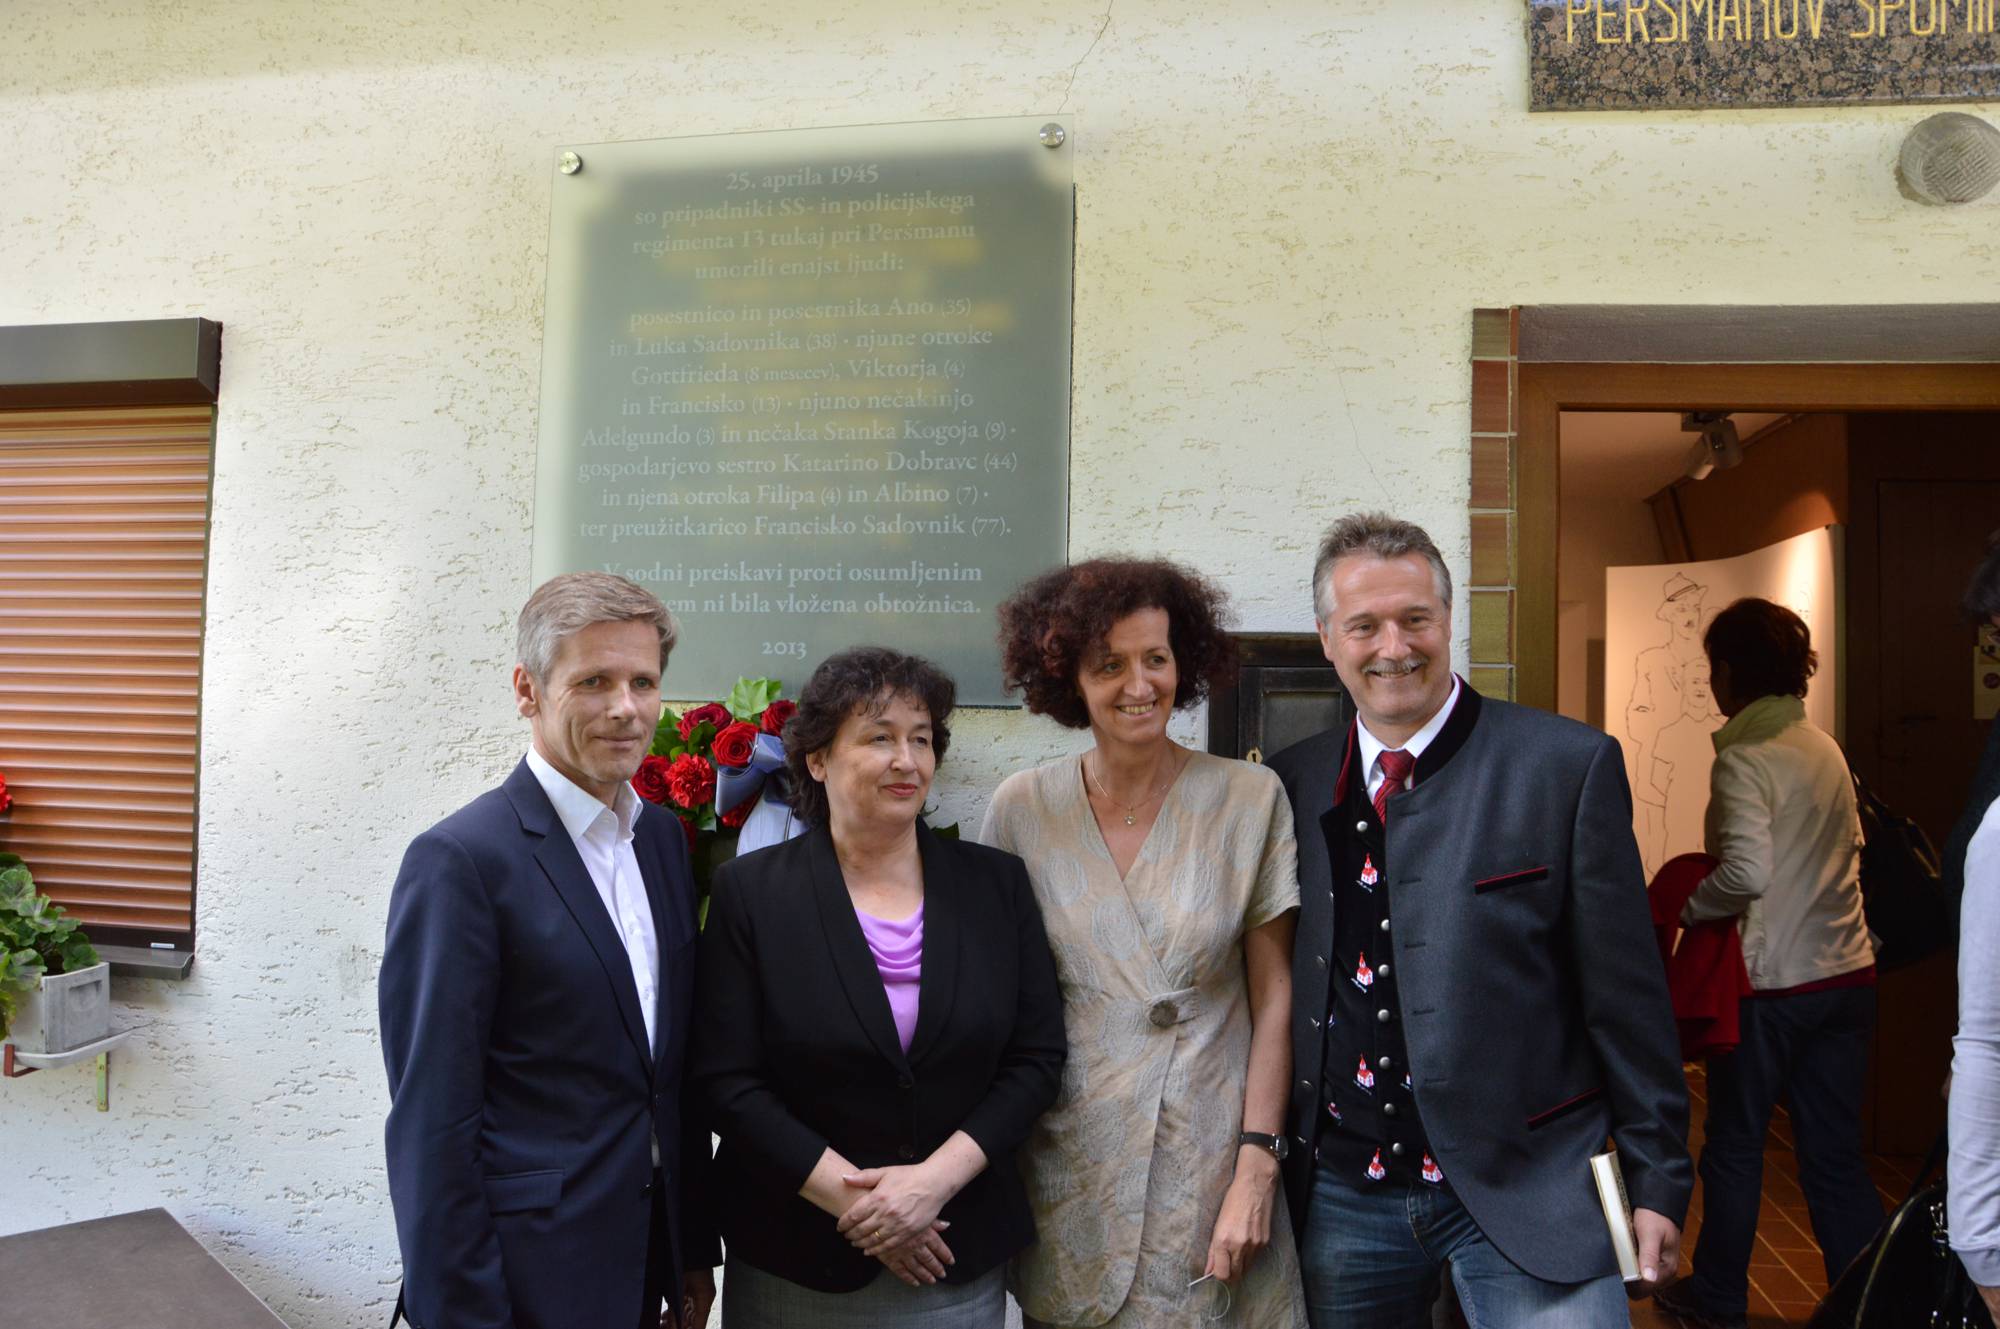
column 1276, row 1145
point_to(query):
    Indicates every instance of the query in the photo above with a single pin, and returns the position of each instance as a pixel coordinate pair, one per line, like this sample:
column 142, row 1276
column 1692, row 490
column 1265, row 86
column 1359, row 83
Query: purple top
column 898, row 949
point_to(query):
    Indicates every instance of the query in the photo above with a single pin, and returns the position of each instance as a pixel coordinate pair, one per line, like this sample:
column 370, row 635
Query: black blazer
column 797, row 1051
column 526, row 1108
column 1533, row 999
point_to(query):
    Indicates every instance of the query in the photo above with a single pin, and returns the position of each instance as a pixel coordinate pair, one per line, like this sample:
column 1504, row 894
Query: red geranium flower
column 6, row 799
column 709, row 713
column 739, row 814
column 651, row 780
column 734, row 745
column 775, row 715
column 691, row 780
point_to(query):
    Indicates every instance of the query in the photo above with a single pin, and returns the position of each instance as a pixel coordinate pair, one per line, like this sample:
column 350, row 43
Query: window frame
column 138, row 363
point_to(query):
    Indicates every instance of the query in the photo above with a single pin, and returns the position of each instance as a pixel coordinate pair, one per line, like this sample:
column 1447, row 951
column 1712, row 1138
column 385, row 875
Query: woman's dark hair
column 860, row 681
column 1049, row 626
column 1766, row 648
column 1982, row 594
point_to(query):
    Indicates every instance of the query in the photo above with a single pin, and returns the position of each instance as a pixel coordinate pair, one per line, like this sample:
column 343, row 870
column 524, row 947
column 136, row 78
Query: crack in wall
column 1068, row 87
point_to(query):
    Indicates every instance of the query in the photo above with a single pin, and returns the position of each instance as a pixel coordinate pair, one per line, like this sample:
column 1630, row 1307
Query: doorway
column 1909, row 498
column 1906, row 373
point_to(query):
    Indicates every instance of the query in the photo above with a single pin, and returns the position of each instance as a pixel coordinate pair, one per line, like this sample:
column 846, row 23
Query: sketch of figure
column 1682, row 755
column 1660, row 676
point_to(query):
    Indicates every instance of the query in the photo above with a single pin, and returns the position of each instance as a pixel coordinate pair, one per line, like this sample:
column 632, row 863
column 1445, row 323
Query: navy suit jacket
column 1534, row 1003
column 526, row 1104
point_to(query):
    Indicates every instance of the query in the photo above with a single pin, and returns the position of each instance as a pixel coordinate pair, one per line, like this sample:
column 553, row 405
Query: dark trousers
column 1813, row 1049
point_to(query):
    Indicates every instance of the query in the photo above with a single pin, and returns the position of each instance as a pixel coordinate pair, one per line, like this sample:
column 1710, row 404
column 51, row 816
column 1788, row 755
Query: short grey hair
column 1382, row 536
column 563, row 606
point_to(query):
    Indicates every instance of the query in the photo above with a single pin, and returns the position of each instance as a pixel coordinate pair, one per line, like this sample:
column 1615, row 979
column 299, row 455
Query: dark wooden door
column 1928, row 535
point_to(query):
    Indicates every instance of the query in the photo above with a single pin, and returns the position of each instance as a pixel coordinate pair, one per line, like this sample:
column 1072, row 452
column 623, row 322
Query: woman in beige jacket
column 1782, row 823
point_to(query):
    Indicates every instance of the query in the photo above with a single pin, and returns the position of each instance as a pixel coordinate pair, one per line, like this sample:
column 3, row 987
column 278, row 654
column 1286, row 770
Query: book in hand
column 1617, row 1212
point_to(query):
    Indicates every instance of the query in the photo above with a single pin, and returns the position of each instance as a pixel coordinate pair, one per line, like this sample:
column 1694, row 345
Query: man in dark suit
column 1479, row 1002
column 535, row 1002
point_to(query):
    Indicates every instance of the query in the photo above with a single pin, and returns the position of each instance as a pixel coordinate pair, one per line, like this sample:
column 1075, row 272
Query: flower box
column 64, row 1011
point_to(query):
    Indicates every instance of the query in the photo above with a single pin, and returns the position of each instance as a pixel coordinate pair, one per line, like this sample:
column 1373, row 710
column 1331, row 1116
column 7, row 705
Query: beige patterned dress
column 1127, row 1171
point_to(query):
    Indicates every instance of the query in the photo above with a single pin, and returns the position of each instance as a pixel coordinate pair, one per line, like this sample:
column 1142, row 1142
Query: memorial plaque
column 1603, row 55
column 812, row 387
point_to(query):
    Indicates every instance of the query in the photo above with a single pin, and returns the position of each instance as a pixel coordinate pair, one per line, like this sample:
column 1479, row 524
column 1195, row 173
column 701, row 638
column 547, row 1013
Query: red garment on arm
column 1705, row 974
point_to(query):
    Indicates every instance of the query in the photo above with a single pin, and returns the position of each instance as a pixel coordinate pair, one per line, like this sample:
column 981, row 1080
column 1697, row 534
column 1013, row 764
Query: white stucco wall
column 1286, row 212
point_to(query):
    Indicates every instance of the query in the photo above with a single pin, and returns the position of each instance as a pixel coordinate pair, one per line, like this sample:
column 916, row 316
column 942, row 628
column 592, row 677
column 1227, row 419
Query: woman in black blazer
column 878, row 1025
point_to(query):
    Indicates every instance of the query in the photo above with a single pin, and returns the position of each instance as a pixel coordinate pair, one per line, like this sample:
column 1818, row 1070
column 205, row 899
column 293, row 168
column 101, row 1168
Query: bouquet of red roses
column 689, row 751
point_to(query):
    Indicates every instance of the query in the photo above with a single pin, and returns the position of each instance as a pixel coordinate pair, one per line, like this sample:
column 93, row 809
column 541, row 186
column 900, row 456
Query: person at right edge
column 1972, row 865
column 1479, row 1002
column 1783, row 829
column 1982, row 606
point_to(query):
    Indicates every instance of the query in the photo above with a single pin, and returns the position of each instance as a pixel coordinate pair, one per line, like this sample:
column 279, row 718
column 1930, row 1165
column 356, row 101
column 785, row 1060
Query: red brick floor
column 1786, row 1276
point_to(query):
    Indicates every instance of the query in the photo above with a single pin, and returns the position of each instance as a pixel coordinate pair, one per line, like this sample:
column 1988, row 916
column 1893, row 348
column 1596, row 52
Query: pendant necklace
column 1132, row 810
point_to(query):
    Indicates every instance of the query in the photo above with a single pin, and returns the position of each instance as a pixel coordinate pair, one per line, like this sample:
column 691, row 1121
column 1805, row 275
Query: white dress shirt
column 1372, row 747
column 603, row 839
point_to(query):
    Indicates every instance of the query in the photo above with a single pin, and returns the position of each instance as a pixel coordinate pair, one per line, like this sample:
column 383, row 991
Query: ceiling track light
column 1717, row 447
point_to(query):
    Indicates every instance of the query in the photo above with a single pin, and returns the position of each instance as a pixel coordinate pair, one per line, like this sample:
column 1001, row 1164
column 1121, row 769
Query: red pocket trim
column 1485, row 884
column 1564, row 1108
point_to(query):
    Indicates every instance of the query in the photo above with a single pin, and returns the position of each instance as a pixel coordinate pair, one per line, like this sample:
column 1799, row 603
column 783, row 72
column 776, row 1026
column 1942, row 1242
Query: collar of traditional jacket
column 1763, row 718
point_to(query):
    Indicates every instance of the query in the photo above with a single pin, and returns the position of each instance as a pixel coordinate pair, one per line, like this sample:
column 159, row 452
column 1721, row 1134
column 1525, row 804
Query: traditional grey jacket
column 1532, row 993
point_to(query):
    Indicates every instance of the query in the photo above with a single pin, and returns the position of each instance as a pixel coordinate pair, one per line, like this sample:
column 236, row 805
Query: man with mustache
column 1478, row 1003
column 535, row 995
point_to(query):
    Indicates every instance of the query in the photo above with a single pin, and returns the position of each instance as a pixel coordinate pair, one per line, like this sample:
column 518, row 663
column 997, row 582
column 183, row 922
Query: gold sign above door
column 1613, row 55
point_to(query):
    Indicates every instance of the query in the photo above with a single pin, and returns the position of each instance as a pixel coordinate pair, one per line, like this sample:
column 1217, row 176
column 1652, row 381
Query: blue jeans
column 1373, row 1260
column 1814, row 1049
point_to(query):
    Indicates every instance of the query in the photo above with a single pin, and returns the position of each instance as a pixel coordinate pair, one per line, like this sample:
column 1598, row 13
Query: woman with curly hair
column 1168, row 881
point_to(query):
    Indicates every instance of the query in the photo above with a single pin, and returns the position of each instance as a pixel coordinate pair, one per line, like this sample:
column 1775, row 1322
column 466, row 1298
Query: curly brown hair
column 1048, row 626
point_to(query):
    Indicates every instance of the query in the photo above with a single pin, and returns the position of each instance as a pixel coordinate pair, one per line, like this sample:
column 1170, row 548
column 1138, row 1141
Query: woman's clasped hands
column 897, row 1221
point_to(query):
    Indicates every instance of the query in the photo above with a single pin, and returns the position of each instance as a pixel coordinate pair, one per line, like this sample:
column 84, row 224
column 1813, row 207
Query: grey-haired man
column 1478, row 1003
column 535, row 1002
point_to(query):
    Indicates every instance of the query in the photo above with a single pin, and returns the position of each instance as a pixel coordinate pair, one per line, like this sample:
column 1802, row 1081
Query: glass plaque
column 812, row 387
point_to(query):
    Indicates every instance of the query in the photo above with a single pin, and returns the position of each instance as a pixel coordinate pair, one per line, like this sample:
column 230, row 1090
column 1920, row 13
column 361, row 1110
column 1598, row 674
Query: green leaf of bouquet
column 747, row 700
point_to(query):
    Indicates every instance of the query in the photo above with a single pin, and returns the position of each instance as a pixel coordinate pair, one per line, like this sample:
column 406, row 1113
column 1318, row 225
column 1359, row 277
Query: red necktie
column 1396, row 768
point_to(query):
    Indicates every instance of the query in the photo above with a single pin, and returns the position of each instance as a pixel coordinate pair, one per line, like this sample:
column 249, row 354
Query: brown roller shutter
column 103, row 563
